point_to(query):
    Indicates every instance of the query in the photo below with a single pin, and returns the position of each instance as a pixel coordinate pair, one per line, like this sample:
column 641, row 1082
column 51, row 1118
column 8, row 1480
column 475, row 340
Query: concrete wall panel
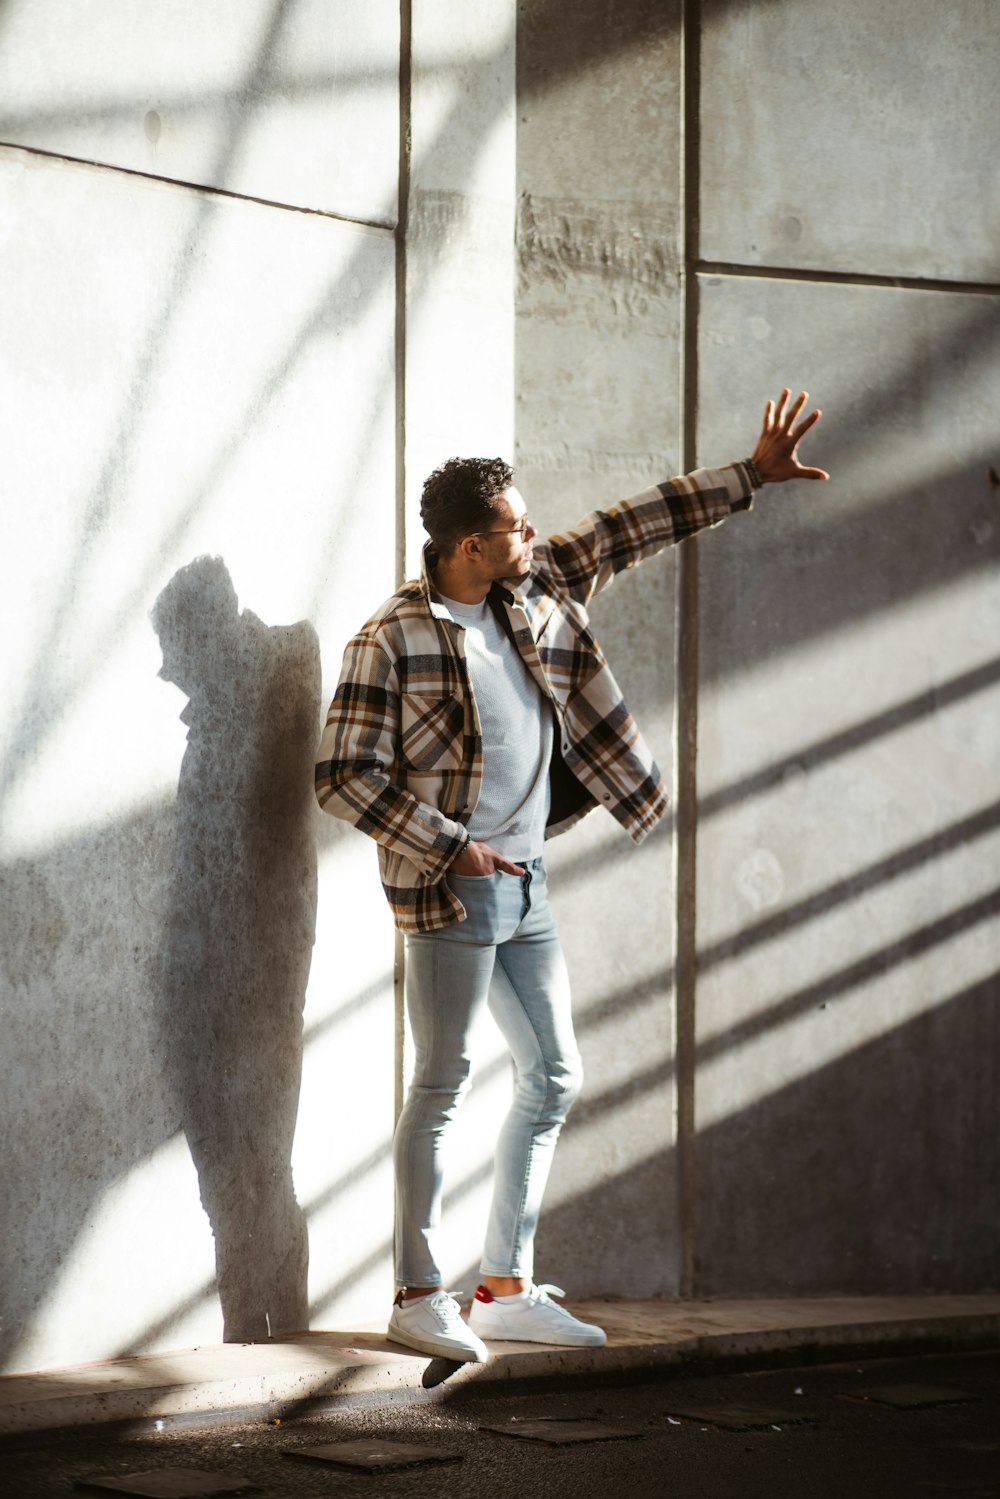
column 851, row 137
column 220, row 387
column 294, row 101
column 597, row 420
column 848, row 909
column 459, row 256
column 459, row 376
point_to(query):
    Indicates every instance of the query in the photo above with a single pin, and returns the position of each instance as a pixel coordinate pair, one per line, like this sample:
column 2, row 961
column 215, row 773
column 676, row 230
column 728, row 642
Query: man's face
column 506, row 547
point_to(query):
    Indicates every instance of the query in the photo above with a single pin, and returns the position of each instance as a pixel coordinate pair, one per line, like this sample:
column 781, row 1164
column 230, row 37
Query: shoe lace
column 547, row 1291
column 446, row 1308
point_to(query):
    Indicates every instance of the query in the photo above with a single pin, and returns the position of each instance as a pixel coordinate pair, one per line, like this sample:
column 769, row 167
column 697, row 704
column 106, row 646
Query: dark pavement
column 864, row 1429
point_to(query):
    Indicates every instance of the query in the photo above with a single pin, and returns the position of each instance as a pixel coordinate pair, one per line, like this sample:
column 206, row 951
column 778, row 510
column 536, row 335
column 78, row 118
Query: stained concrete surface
column 849, row 138
column 597, row 419
column 841, row 1106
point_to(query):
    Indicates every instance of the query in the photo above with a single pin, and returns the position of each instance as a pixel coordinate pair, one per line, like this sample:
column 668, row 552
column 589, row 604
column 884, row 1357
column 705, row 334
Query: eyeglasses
column 521, row 529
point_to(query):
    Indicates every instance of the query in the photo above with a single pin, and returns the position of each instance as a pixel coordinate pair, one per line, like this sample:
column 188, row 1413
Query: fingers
column 783, row 429
column 804, row 425
column 480, row 860
column 796, row 407
column 784, row 415
column 505, row 866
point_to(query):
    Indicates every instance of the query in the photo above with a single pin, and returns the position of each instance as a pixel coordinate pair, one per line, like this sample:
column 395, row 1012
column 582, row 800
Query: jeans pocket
column 481, row 896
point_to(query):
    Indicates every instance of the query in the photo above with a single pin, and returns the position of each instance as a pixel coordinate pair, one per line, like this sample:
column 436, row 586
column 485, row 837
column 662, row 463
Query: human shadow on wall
column 238, row 932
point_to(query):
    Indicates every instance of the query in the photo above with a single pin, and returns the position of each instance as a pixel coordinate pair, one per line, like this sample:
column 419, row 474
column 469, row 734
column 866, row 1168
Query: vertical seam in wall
column 686, row 661
column 402, row 227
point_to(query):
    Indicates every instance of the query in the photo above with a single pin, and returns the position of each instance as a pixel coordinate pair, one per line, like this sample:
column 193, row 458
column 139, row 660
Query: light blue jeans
column 505, row 954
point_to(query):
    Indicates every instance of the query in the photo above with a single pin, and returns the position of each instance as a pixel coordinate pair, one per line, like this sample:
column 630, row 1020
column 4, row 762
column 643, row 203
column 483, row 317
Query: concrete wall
column 598, row 417
column 209, row 334
column 792, row 1073
column 849, row 763
column 459, row 366
column 226, row 371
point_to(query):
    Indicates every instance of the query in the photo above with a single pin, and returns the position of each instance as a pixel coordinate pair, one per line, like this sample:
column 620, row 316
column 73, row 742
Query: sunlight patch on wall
column 256, row 97
column 341, row 1158
column 222, row 385
column 145, row 1249
column 863, row 675
column 460, row 263
column 778, row 1038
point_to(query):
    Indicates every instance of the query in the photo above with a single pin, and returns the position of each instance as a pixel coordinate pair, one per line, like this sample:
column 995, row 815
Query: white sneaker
column 534, row 1319
column 434, row 1324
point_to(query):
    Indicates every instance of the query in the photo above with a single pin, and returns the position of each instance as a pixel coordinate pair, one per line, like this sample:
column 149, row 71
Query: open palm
column 775, row 454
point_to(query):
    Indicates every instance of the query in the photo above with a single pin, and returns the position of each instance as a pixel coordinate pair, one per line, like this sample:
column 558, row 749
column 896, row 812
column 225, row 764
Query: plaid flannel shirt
column 401, row 755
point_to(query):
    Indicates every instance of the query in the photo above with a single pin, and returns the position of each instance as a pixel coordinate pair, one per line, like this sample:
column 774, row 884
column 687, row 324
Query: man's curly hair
column 462, row 496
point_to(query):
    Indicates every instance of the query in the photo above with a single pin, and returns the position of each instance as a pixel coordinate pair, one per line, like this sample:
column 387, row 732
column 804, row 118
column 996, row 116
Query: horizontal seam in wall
column 844, row 278
column 203, row 187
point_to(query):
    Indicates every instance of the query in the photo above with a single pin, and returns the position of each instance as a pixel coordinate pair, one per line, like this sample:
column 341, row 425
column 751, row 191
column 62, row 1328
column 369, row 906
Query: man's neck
column 456, row 582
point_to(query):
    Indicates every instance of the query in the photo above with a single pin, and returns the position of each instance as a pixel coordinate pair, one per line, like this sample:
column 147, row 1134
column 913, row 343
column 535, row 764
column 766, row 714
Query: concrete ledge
column 279, row 1380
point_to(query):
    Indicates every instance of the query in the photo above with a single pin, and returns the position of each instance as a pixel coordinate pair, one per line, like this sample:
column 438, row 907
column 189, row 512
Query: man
column 475, row 718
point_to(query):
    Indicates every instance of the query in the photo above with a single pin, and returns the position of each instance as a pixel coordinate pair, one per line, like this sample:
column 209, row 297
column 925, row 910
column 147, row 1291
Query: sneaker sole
column 453, row 1351
column 514, row 1337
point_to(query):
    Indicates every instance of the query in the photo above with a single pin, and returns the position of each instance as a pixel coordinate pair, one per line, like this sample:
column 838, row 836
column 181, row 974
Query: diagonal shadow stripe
column 914, row 944
column 841, row 891
column 856, row 736
column 348, row 1010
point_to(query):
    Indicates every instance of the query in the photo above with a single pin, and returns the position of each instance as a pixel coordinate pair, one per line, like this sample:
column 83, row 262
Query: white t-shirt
column 516, row 721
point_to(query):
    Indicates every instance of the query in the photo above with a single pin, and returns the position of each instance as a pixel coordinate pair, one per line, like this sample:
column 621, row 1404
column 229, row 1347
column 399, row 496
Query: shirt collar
column 437, row 608
column 434, row 604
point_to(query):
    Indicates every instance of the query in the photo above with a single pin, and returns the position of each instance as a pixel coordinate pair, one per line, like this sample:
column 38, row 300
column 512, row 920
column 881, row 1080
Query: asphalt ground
column 863, row 1429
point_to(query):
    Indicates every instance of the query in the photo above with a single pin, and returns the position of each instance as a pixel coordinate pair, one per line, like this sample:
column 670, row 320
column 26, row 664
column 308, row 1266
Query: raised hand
column 775, row 453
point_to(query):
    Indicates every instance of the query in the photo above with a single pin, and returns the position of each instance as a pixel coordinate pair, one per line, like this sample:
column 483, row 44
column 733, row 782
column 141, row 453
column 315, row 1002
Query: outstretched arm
column 775, row 454
column 606, row 542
